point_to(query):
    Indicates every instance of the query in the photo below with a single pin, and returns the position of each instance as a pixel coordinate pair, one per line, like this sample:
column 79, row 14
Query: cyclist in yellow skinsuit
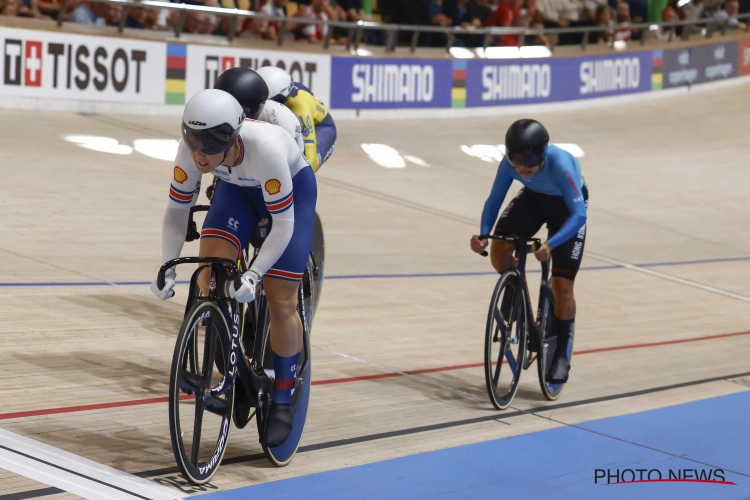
column 318, row 128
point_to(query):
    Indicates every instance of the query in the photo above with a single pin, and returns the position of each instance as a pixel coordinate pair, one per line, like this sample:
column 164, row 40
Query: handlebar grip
column 161, row 278
column 484, row 254
column 537, row 245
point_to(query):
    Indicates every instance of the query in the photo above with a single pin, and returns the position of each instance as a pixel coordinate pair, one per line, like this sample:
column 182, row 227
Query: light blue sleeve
column 500, row 187
column 568, row 181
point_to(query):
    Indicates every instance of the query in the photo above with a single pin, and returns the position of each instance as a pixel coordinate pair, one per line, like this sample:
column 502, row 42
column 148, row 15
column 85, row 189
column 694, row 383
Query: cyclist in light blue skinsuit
column 554, row 193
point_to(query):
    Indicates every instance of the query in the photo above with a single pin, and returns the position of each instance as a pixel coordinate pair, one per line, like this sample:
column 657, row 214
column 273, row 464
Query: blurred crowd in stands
column 154, row 18
column 616, row 15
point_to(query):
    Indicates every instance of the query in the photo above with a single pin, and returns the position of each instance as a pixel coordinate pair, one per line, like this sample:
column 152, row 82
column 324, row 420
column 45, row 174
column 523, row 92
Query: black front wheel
column 201, row 394
column 505, row 340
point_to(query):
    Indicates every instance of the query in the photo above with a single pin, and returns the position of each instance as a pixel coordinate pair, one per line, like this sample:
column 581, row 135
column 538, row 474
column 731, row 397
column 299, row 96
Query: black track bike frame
column 256, row 381
column 521, row 249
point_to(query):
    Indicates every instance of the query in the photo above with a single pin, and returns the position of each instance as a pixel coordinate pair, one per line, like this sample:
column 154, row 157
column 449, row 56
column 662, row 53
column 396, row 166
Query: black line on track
column 414, row 430
column 468, row 421
column 37, row 459
column 32, row 494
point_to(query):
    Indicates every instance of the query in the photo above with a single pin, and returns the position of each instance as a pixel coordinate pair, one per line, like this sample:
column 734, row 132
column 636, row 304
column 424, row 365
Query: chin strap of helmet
column 225, row 157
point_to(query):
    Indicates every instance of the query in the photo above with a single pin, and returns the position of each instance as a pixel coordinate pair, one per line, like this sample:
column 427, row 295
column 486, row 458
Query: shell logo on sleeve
column 273, row 186
column 180, row 175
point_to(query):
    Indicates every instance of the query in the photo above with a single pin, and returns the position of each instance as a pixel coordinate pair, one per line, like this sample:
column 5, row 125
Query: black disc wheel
column 505, row 340
column 201, row 394
column 546, row 353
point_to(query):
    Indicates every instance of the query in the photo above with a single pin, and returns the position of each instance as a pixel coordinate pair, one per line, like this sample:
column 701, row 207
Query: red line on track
column 139, row 402
column 709, row 481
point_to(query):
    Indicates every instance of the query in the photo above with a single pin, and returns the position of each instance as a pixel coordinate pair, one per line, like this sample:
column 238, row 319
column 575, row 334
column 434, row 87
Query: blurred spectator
column 467, row 14
column 200, row 23
column 603, row 17
column 270, row 30
column 728, row 16
column 350, row 10
column 420, row 13
column 540, row 39
column 142, row 18
column 692, row 11
column 624, row 32
column 553, row 13
column 225, row 26
column 638, row 10
column 22, row 8
column 320, row 10
column 504, row 16
column 10, row 7
column 52, row 7
column 711, row 7
column 669, row 14
column 436, row 15
column 85, row 14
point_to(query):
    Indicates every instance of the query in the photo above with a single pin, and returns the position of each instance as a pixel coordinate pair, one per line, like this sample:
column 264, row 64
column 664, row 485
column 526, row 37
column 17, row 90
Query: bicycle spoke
column 499, row 365
column 512, row 363
column 197, row 426
column 498, row 316
column 190, row 382
column 209, row 351
column 216, row 405
column 499, row 328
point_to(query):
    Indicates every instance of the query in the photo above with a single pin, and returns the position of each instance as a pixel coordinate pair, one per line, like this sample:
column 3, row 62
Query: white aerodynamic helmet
column 211, row 121
column 279, row 82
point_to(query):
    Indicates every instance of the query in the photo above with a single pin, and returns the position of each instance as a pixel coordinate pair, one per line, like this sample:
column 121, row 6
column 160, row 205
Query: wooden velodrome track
column 663, row 300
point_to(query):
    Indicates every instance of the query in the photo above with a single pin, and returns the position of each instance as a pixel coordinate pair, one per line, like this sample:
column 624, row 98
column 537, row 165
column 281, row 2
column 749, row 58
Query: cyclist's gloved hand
column 167, row 292
column 246, row 292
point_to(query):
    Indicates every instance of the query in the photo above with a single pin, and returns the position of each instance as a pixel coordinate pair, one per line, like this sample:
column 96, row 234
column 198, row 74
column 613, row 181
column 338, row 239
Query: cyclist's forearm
column 274, row 245
column 173, row 231
column 568, row 230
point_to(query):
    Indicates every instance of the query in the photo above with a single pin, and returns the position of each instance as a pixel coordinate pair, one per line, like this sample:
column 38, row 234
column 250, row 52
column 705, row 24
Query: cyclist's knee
column 213, row 247
column 501, row 255
column 565, row 301
column 282, row 298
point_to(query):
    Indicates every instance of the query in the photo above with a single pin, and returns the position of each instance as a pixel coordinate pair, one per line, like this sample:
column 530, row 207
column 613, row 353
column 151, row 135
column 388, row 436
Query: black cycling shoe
column 279, row 424
column 559, row 370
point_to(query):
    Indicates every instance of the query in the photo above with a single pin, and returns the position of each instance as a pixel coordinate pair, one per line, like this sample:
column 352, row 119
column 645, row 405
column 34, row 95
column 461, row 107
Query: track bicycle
column 222, row 367
column 513, row 334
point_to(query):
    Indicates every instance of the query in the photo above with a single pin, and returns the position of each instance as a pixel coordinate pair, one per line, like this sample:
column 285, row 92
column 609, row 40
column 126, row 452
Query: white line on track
column 669, row 277
column 80, row 476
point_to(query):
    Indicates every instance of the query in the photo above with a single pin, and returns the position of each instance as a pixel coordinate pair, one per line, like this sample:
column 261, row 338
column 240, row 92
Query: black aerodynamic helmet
column 529, row 139
column 247, row 87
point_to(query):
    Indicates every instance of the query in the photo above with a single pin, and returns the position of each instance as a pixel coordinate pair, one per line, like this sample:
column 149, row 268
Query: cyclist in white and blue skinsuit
column 263, row 175
column 554, row 193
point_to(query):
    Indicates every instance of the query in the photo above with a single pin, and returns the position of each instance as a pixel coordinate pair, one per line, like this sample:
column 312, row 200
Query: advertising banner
column 206, row 63
column 373, row 83
column 527, row 81
column 700, row 64
column 46, row 64
column 744, row 53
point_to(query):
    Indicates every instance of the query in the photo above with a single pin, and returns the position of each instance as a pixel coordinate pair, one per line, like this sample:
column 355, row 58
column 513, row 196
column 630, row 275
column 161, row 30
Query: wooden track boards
column 668, row 184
